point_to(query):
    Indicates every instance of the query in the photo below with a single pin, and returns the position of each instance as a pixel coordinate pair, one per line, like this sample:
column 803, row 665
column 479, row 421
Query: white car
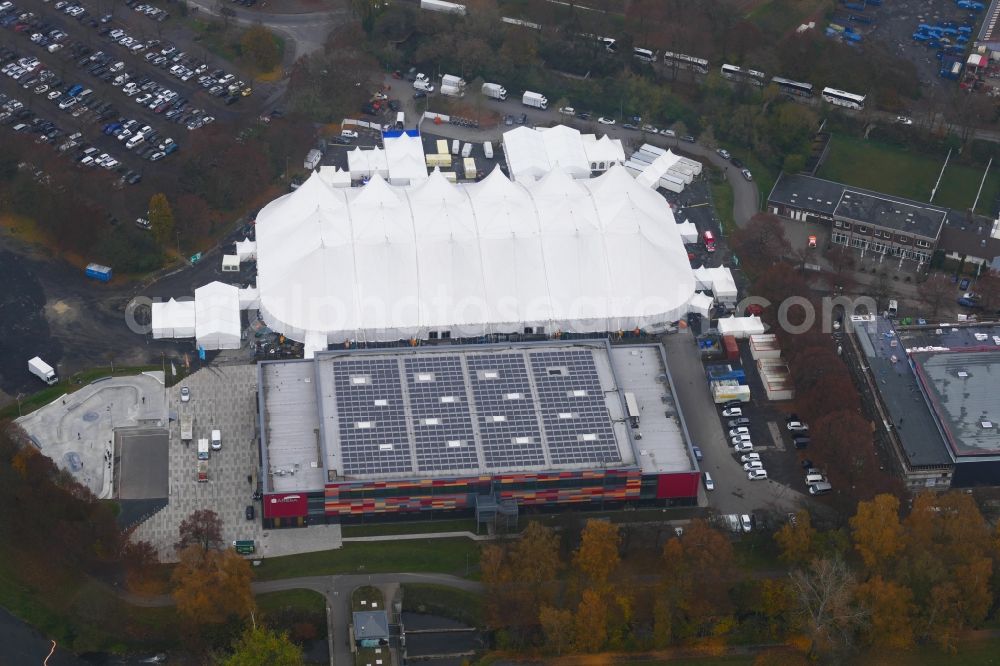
column 903, row 120
column 349, row 134
column 750, row 457
column 757, row 474
column 753, row 464
column 797, row 426
column 723, row 153
column 208, row 119
column 743, row 447
column 606, row 121
column 745, row 523
column 709, row 483
column 732, row 411
column 739, row 439
column 567, row 111
column 733, row 432
column 185, row 394
column 143, row 98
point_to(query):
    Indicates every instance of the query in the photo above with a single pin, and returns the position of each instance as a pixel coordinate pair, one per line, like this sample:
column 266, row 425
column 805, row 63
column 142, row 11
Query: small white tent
column 246, row 249
column 173, row 319
column 217, row 312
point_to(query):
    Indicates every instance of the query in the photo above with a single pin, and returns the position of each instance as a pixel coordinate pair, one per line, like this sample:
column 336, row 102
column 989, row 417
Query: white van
column 893, row 308
column 814, row 478
column 216, row 440
column 467, row 150
column 455, row 146
column 203, row 449
column 488, row 149
column 400, row 120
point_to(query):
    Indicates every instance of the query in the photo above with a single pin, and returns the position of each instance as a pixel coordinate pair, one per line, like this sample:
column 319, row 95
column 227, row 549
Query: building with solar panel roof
column 425, row 431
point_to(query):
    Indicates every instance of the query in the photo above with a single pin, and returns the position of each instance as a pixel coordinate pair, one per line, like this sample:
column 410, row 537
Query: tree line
column 891, row 579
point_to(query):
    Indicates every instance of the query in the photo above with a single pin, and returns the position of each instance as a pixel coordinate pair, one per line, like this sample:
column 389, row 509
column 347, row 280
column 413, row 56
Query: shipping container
column 99, row 272
column 732, row 349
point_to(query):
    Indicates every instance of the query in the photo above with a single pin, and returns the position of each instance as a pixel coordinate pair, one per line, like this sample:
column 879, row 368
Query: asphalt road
column 23, row 644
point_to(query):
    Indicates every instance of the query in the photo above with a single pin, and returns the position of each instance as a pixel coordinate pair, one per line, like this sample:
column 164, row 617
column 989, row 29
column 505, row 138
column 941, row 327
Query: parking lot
column 103, row 93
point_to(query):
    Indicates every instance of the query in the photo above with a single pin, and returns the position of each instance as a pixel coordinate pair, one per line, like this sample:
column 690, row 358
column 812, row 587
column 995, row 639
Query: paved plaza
column 224, row 398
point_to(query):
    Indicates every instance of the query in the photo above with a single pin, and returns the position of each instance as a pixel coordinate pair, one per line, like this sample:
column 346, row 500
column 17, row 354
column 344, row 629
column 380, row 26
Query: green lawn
column 445, row 601
column 363, row 597
column 722, row 199
column 412, row 555
column 971, row 652
column 893, row 170
column 307, row 601
column 415, row 527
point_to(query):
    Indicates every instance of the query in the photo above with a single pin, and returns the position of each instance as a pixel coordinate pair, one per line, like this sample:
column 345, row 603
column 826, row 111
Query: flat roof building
column 367, row 433
column 936, row 388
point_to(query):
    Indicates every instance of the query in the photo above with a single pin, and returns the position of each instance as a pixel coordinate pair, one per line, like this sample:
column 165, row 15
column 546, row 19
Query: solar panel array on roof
column 442, row 424
column 371, row 416
column 506, row 410
column 572, row 406
column 438, row 411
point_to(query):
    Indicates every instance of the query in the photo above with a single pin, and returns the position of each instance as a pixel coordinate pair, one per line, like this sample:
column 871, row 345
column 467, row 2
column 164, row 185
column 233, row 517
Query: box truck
column 452, row 80
column 187, row 427
column 536, row 100
column 495, row 90
column 488, row 150
column 203, row 449
column 42, row 370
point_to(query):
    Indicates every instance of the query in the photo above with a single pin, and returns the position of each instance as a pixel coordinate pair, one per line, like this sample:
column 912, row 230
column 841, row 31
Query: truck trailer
column 536, row 100
column 42, row 370
column 452, row 80
column 495, row 91
column 187, row 427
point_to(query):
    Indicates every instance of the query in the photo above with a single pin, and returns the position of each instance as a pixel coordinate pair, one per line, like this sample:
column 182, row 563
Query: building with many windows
column 386, row 434
column 858, row 218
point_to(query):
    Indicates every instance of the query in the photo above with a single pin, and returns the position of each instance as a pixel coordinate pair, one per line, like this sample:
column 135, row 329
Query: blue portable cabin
column 99, row 272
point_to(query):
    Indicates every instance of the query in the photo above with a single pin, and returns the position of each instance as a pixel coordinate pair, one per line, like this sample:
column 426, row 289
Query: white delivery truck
column 421, row 84
column 452, row 80
column 187, row 427
column 467, row 150
column 452, row 91
column 203, row 453
column 536, row 100
column 455, row 143
column 488, row 149
column 42, row 370
column 495, row 90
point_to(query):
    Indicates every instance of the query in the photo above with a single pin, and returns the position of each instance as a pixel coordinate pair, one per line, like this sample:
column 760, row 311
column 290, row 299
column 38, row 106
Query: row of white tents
column 655, row 167
column 212, row 317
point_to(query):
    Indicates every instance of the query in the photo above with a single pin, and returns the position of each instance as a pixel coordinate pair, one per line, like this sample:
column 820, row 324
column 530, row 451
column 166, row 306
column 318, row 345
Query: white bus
column 645, row 55
column 752, row 76
column 793, row 88
column 683, row 61
column 845, row 99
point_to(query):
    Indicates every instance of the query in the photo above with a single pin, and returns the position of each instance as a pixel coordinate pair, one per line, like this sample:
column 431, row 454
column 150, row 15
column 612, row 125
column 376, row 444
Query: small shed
column 371, row 627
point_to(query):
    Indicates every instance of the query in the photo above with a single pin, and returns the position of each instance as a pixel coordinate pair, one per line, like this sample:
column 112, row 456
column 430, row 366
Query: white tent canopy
column 335, row 177
column 173, row 319
column 367, row 163
column 246, row 249
column 719, row 280
column 249, row 298
column 741, row 327
column 701, row 303
column 404, row 155
column 217, row 316
column 387, row 263
column 688, row 231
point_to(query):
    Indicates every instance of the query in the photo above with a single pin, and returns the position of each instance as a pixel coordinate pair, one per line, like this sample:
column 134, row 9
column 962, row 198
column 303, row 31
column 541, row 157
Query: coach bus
column 793, row 88
column 645, row 55
column 734, row 73
column 682, row 61
column 845, row 99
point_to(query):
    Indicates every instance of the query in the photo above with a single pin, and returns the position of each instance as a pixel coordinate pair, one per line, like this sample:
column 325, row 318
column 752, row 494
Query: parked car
column 797, row 426
column 723, row 153
column 606, row 121
column 732, row 411
column 709, row 483
column 757, row 474
column 697, row 452
column 746, row 174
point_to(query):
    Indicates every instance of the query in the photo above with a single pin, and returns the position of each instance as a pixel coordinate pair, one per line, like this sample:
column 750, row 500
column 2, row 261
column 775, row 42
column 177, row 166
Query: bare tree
column 934, row 291
column 826, row 603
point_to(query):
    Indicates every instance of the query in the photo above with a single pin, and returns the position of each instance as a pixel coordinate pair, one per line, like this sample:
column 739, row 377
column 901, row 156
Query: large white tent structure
column 533, row 153
column 217, row 316
column 384, row 262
